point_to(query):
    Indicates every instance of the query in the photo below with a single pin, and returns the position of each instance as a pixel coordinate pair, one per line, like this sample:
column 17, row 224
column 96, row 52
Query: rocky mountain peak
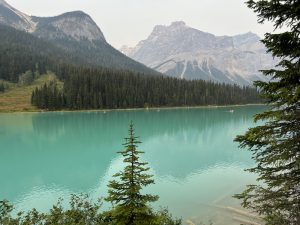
column 178, row 24
column 76, row 25
column 185, row 52
column 173, row 27
column 246, row 38
column 158, row 29
column 77, row 13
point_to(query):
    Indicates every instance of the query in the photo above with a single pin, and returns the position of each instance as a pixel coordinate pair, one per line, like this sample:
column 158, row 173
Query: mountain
column 181, row 51
column 14, row 18
column 75, row 25
column 21, row 51
column 75, row 33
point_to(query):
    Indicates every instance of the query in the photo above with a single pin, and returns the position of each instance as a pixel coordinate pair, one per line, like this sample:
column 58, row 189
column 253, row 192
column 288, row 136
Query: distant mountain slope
column 75, row 33
column 14, row 18
column 72, row 25
column 181, row 51
column 21, row 51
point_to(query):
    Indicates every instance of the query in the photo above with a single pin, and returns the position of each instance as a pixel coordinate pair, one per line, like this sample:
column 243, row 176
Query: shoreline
column 133, row 109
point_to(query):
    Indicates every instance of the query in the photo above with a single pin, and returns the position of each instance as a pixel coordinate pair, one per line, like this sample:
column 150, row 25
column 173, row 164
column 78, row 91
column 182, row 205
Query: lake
column 197, row 166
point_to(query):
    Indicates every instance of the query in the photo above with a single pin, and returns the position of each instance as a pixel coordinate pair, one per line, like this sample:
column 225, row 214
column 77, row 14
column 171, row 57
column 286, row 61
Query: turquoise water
column 197, row 166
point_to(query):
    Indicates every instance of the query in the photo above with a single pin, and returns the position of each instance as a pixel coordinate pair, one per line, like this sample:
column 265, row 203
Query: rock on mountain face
column 72, row 25
column 75, row 33
column 181, row 51
column 76, row 25
column 12, row 17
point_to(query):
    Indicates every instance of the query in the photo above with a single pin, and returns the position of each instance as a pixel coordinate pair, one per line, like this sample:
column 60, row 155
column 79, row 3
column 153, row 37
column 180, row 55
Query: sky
column 126, row 22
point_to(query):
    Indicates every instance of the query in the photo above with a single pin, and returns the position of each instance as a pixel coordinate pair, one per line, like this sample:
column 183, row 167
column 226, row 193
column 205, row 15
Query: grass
column 17, row 98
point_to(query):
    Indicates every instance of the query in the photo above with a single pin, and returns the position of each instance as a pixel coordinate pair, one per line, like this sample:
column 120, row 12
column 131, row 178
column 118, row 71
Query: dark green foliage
column 48, row 97
column 130, row 205
column 5, row 210
column 81, row 212
column 2, row 86
column 21, row 52
column 107, row 88
column 163, row 217
column 276, row 144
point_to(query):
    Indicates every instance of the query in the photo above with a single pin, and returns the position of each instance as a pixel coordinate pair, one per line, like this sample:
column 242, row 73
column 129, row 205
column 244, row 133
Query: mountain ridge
column 75, row 24
column 74, row 32
column 14, row 18
column 185, row 52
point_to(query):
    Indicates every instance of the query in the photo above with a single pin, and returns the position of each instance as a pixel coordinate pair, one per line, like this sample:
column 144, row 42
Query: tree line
column 86, row 88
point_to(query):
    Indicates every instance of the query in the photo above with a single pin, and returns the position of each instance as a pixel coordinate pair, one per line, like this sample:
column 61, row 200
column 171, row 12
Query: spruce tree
column 131, row 207
column 275, row 146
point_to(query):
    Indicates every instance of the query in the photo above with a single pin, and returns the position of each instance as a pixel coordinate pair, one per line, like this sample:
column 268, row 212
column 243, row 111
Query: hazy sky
column 126, row 22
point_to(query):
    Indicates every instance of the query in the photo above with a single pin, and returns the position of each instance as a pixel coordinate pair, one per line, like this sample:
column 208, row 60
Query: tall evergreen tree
column 275, row 145
column 131, row 206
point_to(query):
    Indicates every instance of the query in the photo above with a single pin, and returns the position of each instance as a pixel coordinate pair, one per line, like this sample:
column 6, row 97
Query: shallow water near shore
column 197, row 166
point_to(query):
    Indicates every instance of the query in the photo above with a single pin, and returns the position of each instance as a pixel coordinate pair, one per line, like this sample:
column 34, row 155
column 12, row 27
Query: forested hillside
column 102, row 88
column 21, row 51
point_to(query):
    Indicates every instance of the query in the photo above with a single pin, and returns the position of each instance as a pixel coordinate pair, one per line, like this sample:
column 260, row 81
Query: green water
column 197, row 166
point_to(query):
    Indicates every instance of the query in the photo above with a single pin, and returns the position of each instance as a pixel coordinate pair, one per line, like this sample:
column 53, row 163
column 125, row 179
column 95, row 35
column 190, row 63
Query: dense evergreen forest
column 21, row 52
column 103, row 88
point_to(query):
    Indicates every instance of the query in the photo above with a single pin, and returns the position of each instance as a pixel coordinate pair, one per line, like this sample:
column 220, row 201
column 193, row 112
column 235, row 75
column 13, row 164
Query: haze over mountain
column 176, row 50
column 181, row 51
column 74, row 32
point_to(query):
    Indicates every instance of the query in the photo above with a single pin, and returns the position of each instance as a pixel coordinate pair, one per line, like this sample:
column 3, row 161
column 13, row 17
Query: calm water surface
column 197, row 166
